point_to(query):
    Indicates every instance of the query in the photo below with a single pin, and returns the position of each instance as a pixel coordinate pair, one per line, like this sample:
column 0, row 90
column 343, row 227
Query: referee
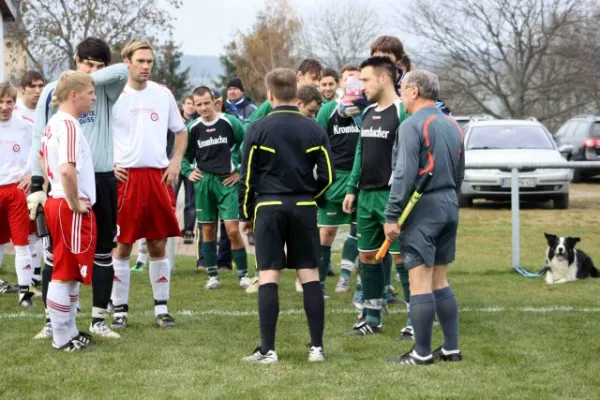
column 277, row 195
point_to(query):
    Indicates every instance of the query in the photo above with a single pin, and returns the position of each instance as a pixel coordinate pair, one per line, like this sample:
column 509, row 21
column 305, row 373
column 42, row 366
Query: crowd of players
column 104, row 150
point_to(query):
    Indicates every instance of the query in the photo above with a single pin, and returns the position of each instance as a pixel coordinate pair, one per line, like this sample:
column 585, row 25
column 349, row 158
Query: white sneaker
column 45, row 333
column 245, row 282
column 102, row 330
column 213, row 283
column 253, row 288
column 315, row 354
column 299, row 288
column 257, row 357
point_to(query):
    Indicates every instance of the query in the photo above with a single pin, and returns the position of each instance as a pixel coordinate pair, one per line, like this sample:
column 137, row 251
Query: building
column 13, row 58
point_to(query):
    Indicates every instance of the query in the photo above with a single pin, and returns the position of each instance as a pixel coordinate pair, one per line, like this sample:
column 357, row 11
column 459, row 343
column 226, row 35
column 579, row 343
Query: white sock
column 74, row 297
column 59, row 306
column 37, row 251
column 23, row 266
column 348, row 265
column 120, row 290
column 160, row 278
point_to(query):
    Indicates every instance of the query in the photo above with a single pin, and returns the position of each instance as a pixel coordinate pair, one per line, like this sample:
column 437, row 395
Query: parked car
column 501, row 141
column 583, row 134
column 463, row 120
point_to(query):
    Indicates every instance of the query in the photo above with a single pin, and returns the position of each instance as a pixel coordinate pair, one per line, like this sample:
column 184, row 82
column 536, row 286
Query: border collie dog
column 565, row 262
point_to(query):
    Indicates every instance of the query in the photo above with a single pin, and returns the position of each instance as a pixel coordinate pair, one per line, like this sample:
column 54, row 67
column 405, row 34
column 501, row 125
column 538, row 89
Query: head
column 406, row 64
column 309, row 100
column 388, row 46
column 218, row 96
column 91, row 55
column 204, row 102
column 349, row 70
column 8, row 98
column 419, row 89
column 75, row 92
column 32, row 84
column 138, row 56
column 561, row 248
column 235, row 89
column 330, row 80
column 377, row 75
column 309, row 72
column 282, row 86
column 188, row 106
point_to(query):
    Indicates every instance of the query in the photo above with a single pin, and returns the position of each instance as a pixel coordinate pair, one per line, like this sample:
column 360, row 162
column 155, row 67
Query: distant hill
column 204, row 69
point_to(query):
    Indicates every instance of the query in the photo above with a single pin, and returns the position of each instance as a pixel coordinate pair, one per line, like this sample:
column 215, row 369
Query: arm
column 352, row 185
column 248, row 172
column 113, row 78
column 325, row 173
column 69, row 144
column 43, row 112
column 68, row 177
column 181, row 140
column 262, row 111
column 188, row 159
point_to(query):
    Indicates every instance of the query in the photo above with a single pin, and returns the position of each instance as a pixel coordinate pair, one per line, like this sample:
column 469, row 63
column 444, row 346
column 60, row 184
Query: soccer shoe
column 253, row 288
column 101, row 329
column 188, row 237
column 200, row 267
column 84, row 339
column 110, row 309
column 138, row 267
column 393, row 299
column 364, row 329
column 315, row 354
column 36, row 282
column 440, row 354
column 257, row 357
column 343, row 285
column 71, row 346
column 6, row 288
column 26, row 300
column 45, row 333
column 213, row 283
column 245, row 282
column 411, row 358
column 299, row 287
column 165, row 321
column 406, row 334
column 119, row 322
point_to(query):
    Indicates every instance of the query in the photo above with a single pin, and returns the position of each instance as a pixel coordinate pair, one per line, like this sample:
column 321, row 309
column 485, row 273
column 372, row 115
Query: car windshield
column 595, row 133
column 509, row 137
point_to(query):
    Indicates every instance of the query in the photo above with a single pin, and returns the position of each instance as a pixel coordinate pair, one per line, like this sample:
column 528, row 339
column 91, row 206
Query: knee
column 327, row 236
column 156, row 248
column 209, row 232
column 123, row 251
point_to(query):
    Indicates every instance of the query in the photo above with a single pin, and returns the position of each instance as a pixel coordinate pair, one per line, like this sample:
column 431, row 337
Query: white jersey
column 63, row 142
column 141, row 119
column 15, row 141
column 27, row 113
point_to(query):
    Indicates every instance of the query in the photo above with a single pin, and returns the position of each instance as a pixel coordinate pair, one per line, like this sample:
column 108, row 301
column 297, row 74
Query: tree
column 228, row 64
column 340, row 32
column 167, row 70
column 54, row 27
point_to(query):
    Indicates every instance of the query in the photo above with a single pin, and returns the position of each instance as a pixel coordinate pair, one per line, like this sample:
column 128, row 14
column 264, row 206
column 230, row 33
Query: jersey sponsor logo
column 212, row 142
column 332, row 213
column 83, row 269
column 211, row 130
column 375, row 133
column 87, row 117
column 343, row 130
column 154, row 116
column 376, row 117
column 16, row 148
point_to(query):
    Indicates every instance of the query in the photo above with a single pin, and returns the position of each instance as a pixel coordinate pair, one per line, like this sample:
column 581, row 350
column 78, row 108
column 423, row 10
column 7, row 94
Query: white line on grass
column 226, row 313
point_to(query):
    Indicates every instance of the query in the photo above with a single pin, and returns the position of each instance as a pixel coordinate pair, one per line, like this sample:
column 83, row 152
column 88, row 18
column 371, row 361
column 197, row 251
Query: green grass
column 509, row 352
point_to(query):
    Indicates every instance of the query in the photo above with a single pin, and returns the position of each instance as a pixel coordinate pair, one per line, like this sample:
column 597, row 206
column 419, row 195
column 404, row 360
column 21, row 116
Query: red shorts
column 14, row 216
column 73, row 241
column 146, row 207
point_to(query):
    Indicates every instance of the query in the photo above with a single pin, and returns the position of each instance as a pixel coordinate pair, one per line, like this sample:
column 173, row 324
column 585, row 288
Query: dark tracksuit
column 429, row 141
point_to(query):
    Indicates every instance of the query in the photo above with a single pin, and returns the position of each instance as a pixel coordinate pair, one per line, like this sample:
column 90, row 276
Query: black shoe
column 364, row 329
column 411, row 358
column 71, row 346
column 440, row 354
column 406, row 334
column 26, row 300
column 6, row 288
column 36, row 282
column 165, row 321
column 83, row 339
column 119, row 322
column 188, row 237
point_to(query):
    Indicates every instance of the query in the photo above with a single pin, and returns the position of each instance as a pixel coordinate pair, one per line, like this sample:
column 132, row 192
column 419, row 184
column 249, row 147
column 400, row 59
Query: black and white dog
column 565, row 262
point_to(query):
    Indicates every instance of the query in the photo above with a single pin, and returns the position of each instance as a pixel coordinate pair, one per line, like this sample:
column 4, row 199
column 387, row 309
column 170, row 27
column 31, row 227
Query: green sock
column 403, row 272
column 209, row 252
column 241, row 261
column 349, row 253
column 372, row 281
column 386, row 265
column 324, row 264
column 358, row 293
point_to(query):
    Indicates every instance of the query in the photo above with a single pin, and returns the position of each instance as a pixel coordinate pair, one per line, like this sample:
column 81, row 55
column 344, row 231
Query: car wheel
column 561, row 202
column 578, row 176
column 464, row 201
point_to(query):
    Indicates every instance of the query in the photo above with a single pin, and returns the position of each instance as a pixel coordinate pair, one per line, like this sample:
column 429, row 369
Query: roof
column 505, row 122
column 9, row 9
column 587, row 117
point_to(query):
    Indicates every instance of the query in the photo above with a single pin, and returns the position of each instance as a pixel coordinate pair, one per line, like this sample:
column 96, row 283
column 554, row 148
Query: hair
column 427, row 83
column 70, row 81
column 308, row 93
column 202, row 90
column 350, row 67
column 388, row 44
column 31, row 76
column 92, row 48
column 381, row 64
column 6, row 89
column 310, row 65
column 190, row 97
column 135, row 45
column 407, row 63
column 332, row 73
column 283, row 83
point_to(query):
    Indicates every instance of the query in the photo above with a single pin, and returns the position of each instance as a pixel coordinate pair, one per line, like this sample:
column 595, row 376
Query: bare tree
column 339, row 32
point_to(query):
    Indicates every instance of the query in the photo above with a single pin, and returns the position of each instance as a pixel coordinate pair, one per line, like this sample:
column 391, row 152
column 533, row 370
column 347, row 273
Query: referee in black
column 278, row 195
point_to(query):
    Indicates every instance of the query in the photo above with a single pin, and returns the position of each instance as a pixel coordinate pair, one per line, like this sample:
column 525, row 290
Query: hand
column 391, row 230
column 25, row 183
column 196, row 175
column 246, row 227
column 121, row 174
column 81, row 207
column 348, row 204
column 172, row 173
column 34, row 200
column 232, row 179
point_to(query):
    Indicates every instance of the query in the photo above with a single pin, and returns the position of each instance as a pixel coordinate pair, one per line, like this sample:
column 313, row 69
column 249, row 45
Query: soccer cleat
column 440, row 354
column 83, row 338
column 258, row 357
column 245, row 282
column 35, row 282
column 343, row 285
column 110, row 309
column 101, row 329
column 315, row 354
column 299, row 287
column 6, row 288
column 165, row 321
column 138, row 267
column 253, row 288
column 119, row 322
column 406, row 334
column 364, row 329
column 393, row 299
column 71, row 346
column 45, row 333
column 213, row 283
column 411, row 358
column 188, row 237
column 26, row 300
column 200, row 267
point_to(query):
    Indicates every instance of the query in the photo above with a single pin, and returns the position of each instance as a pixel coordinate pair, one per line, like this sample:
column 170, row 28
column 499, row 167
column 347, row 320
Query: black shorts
column 286, row 222
column 106, row 212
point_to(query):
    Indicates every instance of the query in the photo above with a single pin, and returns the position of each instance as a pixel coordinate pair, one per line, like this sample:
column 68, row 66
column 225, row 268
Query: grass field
column 520, row 338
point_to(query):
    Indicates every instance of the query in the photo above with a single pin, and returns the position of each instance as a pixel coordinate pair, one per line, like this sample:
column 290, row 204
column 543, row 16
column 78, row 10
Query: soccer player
column 212, row 140
column 371, row 174
column 69, row 215
column 330, row 81
column 141, row 117
column 92, row 56
column 309, row 101
column 428, row 141
column 15, row 179
column 277, row 197
column 32, row 84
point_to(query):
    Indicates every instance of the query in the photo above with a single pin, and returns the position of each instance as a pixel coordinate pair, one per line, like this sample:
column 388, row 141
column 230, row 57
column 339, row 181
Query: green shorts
column 370, row 220
column 213, row 199
column 332, row 214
